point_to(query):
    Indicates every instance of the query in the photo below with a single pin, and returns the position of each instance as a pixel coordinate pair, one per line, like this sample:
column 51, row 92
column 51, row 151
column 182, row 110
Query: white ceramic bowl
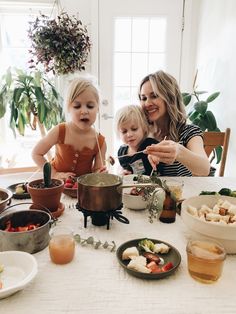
column 135, row 202
column 19, row 269
column 225, row 234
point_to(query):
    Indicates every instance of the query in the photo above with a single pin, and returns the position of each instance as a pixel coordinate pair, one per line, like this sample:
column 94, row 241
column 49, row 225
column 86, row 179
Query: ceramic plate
column 172, row 256
column 19, row 269
column 12, row 188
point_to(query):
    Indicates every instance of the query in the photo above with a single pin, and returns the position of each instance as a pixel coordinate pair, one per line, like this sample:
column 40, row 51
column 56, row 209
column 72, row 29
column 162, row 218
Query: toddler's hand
column 63, row 175
column 103, row 169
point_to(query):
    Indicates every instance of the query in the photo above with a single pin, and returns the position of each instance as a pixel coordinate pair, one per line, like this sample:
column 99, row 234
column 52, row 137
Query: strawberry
column 69, row 180
column 68, row 185
column 167, row 266
column 75, row 186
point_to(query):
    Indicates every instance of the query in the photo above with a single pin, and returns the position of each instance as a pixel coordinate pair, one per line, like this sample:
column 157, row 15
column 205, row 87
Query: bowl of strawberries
column 71, row 186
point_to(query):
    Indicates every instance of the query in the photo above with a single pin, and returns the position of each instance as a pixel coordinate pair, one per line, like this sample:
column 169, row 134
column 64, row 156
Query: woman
column 181, row 145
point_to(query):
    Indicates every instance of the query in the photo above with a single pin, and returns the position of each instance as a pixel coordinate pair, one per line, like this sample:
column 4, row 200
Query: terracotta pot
column 47, row 197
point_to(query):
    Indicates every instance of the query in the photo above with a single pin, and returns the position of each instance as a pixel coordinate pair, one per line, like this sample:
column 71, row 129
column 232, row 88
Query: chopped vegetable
column 147, row 245
column 167, row 266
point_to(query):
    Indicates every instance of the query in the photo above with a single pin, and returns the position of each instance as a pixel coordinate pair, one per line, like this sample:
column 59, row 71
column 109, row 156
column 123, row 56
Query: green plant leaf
column 210, row 121
column 201, row 106
column 193, row 115
column 21, row 124
column 213, row 97
column 186, row 99
column 200, row 92
column 218, row 151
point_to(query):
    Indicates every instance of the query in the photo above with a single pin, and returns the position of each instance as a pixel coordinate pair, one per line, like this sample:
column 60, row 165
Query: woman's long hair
column 166, row 87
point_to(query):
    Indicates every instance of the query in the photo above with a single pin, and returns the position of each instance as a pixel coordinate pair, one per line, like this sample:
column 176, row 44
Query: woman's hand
column 166, row 151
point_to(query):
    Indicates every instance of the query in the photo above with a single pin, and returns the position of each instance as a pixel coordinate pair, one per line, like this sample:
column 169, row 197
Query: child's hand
column 125, row 172
column 63, row 175
column 103, row 169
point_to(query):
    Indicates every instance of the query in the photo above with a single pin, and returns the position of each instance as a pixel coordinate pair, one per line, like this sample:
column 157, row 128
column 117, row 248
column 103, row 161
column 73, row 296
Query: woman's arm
column 192, row 157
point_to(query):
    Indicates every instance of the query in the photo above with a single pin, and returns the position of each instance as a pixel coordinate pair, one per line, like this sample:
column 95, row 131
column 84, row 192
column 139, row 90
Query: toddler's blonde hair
column 132, row 113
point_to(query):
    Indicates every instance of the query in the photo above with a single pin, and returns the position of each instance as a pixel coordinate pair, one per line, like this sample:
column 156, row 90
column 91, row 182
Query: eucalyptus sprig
column 95, row 243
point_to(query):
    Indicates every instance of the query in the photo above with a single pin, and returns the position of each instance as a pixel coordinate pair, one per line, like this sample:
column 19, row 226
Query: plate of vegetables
column 148, row 258
column 19, row 191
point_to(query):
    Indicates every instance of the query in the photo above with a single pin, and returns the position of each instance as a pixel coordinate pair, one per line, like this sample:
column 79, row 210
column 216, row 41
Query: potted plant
column 47, row 192
column 32, row 98
column 61, row 45
column 199, row 114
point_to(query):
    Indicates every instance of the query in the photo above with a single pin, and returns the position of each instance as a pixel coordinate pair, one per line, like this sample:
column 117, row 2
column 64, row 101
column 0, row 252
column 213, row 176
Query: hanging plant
column 61, row 45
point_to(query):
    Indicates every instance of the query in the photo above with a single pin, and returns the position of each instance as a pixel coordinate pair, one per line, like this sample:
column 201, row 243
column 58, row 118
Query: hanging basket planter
column 61, row 45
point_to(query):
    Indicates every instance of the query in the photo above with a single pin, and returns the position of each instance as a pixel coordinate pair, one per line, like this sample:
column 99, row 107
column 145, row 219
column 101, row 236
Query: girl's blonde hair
column 166, row 87
column 132, row 113
column 78, row 86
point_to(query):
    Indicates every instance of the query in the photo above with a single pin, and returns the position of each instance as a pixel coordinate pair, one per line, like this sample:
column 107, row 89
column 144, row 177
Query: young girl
column 78, row 148
column 132, row 127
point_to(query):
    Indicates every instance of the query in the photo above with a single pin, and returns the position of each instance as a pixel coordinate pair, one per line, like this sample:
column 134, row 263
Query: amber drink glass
column 205, row 260
column 61, row 245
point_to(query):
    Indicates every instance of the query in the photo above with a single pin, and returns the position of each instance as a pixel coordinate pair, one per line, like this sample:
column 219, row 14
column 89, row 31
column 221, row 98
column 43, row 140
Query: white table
column 94, row 282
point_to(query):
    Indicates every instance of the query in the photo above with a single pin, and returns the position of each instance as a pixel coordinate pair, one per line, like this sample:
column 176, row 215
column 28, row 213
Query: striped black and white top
column 177, row 169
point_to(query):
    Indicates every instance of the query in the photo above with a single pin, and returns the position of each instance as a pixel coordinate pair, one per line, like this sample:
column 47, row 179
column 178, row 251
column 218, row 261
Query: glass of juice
column 176, row 187
column 205, row 260
column 61, row 245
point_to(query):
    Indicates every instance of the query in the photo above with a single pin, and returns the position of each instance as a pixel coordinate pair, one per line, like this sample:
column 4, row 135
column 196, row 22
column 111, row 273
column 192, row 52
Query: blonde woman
column 133, row 129
column 181, row 146
column 79, row 149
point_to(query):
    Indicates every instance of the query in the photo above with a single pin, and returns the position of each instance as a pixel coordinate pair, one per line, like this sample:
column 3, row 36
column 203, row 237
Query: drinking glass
column 176, row 187
column 61, row 245
column 205, row 260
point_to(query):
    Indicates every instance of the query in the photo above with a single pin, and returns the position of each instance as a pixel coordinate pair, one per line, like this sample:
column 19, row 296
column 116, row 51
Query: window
column 14, row 45
column 139, row 49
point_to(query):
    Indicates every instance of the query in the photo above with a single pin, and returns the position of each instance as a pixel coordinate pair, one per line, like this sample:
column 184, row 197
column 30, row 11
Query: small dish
column 22, row 196
column 54, row 214
column 19, row 269
column 172, row 256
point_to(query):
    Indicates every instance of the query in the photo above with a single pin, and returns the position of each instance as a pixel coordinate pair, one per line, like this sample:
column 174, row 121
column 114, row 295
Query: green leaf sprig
column 95, row 243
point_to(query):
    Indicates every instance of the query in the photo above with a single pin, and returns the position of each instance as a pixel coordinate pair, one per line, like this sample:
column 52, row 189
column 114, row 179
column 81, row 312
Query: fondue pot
column 99, row 192
column 102, row 191
column 30, row 241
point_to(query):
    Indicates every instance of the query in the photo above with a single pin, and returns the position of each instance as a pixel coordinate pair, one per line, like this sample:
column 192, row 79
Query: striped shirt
column 177, row 169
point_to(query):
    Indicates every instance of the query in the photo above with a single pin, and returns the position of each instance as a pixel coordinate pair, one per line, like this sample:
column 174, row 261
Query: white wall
column 216, row 62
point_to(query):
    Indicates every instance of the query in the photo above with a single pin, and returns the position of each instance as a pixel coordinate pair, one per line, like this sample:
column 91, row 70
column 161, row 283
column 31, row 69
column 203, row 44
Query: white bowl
column 225, row 234
column 135, row 202
column 19, row 269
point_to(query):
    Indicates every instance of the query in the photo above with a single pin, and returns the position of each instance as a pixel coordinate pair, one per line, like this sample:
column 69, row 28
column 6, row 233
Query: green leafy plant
column 61, row 45
column 96, row 244
column 32, row 99
column 199, row 114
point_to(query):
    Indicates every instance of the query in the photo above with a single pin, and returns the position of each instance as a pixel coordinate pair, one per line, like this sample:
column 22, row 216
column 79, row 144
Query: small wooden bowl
column 70, row 192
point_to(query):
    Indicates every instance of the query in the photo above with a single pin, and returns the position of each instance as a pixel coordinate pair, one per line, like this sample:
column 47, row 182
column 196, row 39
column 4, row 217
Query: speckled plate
column 12, row 188
column 172, row 256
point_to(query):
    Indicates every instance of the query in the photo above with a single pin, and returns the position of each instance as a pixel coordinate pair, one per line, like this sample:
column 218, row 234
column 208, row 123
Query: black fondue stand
column 101, row 218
